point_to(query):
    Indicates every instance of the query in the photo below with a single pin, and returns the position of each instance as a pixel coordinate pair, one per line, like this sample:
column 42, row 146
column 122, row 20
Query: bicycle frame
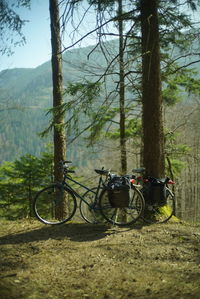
column 64, row 183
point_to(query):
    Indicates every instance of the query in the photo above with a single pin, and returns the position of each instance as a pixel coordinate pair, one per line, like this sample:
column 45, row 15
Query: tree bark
column 153, row 136
column 122, row 93
column 56, row 61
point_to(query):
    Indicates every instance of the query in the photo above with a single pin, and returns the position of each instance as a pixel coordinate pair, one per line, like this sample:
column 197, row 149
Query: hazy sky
column 37, row 32
column 37, row 49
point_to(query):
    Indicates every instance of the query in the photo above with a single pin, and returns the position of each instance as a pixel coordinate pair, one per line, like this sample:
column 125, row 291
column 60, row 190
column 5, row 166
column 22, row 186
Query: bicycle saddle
column 101, row 171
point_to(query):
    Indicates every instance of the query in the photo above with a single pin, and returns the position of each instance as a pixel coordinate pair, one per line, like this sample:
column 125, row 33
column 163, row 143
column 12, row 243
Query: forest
column 104, row 101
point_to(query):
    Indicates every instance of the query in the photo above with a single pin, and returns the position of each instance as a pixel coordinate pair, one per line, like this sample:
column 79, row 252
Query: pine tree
column 57, row 79
column 153, row 138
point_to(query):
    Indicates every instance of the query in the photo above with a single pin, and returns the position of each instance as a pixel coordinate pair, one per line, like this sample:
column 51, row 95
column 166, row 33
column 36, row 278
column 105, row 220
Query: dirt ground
column 99, row 261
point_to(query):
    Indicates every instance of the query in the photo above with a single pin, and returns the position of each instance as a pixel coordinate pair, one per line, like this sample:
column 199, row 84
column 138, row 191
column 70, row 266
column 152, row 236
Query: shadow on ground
column 73, row 231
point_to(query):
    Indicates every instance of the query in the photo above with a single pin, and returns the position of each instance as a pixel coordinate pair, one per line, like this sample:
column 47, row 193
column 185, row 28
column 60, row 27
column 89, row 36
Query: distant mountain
column 26, row 94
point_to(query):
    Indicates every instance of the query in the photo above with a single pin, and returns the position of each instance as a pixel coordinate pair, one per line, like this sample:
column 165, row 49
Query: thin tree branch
column 96, row 29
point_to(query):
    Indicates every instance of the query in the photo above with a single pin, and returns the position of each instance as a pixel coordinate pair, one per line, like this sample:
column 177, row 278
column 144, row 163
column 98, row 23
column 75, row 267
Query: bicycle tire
column 54, row 204
column 90, row 211
column 160, row 214
column 122, row 216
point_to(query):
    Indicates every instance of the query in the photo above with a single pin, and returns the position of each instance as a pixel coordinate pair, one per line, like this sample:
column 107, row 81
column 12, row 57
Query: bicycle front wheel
column 89, row 207
column 155, row 213
column 122, row 216
column 54, row 204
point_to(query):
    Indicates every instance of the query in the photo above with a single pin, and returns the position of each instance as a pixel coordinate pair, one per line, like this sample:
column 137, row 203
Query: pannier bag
column 155, row 192
column 118, row 192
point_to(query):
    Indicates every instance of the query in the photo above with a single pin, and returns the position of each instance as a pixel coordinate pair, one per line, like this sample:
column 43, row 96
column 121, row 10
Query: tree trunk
column 153, row 140
column 122, row 93
column 56, row 61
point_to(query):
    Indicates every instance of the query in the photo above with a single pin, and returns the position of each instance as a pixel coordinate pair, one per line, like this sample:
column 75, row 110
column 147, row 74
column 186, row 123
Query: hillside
column 26, row 95
column 86, row 261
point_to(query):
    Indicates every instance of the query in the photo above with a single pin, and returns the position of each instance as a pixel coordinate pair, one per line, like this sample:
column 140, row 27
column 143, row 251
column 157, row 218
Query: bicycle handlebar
column 70, row 171
column 65, row 167
column 63, row 162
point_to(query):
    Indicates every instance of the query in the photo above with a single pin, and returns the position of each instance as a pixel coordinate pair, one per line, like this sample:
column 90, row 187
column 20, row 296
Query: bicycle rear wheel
column 122, row 216
column 54, row 204
column 154, row 213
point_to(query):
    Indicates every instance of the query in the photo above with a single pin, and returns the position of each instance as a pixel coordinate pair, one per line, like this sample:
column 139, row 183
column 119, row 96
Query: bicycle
column 101, row 207
column 57, row 203
column 124, row 209
column 159, row 199
column 89, row 203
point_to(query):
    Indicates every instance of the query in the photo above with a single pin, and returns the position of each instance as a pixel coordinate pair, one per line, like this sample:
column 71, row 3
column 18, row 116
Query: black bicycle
column 57, row 203
column 159, row 199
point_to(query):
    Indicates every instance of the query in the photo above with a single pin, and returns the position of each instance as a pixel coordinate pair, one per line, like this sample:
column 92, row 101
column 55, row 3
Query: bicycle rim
column 160, row 214
column 90, row 210
column 122, row 216
column 54, row 205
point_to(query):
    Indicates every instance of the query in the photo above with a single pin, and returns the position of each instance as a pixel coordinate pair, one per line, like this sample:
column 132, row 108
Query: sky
column 37, row 49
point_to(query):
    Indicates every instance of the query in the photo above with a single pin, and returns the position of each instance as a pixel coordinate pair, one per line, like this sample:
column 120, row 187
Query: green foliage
column 19, row 182
column 171, row 94
column 174, row 154
column 173, row 148
column 177, row 84
column 174, row 17
column 87, row 90
column 133, row 130
column 102, row 120
column 80, row 98
column 192, row 86
column 176, row 166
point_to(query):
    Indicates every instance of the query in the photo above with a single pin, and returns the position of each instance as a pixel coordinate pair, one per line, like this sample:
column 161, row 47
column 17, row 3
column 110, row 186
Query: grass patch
column 99, row 261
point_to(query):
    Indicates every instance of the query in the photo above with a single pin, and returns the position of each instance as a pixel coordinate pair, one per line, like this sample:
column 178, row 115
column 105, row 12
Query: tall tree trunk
column 153, row 141
column 56, row 61
column 122, row 92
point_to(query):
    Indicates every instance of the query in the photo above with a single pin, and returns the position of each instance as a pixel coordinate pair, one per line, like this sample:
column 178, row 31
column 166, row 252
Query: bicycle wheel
column 54, row 204
column 122, row 216
column 89, row 209
column 154, row 213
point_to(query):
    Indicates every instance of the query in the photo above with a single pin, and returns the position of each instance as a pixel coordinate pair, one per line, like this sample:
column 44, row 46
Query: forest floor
column 99, row 261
